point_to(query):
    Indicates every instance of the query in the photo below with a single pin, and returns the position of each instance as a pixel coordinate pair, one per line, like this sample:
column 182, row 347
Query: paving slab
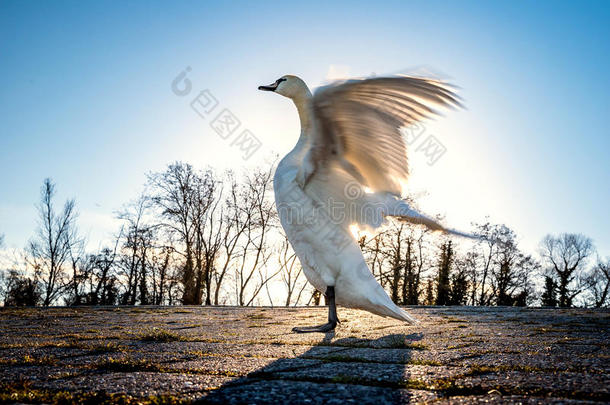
column 235, row 355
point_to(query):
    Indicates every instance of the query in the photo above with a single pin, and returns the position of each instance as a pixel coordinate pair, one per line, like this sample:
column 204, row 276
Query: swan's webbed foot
column 327, row 327
column 332, row 316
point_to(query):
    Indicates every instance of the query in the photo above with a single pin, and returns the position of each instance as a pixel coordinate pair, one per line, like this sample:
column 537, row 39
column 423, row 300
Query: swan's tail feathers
column 403, row 315
column 381, row 304
column 358, row 288
column 462, row 234
column 401, row 210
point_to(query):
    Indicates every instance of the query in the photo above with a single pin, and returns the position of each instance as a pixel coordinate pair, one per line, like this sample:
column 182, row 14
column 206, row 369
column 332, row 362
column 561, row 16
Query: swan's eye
column 278, row 81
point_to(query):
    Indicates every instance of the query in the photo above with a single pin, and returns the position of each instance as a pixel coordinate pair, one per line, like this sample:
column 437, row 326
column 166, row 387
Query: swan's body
column 328, row 253
column 349, row 142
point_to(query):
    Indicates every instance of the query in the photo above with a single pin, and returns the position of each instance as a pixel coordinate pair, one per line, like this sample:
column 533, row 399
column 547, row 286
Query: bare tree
column 18, row 286
column 3, row 285
column 415, row 261
column 470, row 263
column 548, row 298
column 137, row 238
column 491, row 237
column 172, row 194
column 459, row 285
column 597, row 283
column 21, row 290
column 291, row 272
column 443, row 283
column 187, row 201
column 105, row 291
column 373, row 252
column 429, row 298
column 395, row 247
column 80, row 274
column 50, row 248
column 259, row 213
column 160, row 261
column 234, row 225
column 510, row 269
column 529, row 268
column 511, row 282
column 208, row 215
column 565, row 257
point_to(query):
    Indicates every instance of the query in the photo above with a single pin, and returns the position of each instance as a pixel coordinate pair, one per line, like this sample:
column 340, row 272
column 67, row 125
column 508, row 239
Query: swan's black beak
column 271, row 87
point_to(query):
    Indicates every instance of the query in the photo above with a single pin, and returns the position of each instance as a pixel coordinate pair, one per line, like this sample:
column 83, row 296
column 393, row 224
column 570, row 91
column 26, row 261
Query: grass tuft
column 22, row 392
column 161, row 335
column 127, row 364
column 28, row 360
column 400, row 342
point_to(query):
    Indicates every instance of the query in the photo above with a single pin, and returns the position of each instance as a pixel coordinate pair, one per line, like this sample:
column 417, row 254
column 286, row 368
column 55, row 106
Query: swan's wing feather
column 358, row 126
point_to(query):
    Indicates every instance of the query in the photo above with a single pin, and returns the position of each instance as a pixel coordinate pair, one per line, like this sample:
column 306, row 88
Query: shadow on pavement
column 347, row 370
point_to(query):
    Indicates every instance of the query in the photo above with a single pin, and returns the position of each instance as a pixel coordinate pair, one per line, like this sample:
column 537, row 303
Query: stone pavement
column 223, row 355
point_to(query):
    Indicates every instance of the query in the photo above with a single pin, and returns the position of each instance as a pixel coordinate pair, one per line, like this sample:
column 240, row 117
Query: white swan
column 349, row 166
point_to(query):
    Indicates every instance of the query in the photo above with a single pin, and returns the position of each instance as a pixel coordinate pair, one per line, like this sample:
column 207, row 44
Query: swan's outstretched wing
column 357, row 145
column 358, row 126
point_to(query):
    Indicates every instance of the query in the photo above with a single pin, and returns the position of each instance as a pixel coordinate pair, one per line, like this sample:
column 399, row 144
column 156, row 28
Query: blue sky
column 86, row 99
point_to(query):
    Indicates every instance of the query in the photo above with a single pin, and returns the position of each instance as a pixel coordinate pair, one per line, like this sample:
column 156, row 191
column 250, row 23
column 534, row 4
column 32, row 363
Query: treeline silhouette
column 199, row 237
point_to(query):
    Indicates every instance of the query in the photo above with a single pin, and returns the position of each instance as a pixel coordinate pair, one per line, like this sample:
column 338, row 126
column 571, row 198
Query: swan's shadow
column 332, row 371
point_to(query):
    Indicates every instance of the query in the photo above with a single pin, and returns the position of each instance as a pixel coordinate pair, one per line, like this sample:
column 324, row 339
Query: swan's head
column 288, row 86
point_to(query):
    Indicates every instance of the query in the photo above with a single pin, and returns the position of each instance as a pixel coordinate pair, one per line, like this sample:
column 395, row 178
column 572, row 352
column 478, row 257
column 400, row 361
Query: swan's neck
column 303, row 104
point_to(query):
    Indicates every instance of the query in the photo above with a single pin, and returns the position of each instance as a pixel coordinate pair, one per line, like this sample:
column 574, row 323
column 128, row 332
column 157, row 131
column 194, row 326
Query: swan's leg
column 332, row 316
